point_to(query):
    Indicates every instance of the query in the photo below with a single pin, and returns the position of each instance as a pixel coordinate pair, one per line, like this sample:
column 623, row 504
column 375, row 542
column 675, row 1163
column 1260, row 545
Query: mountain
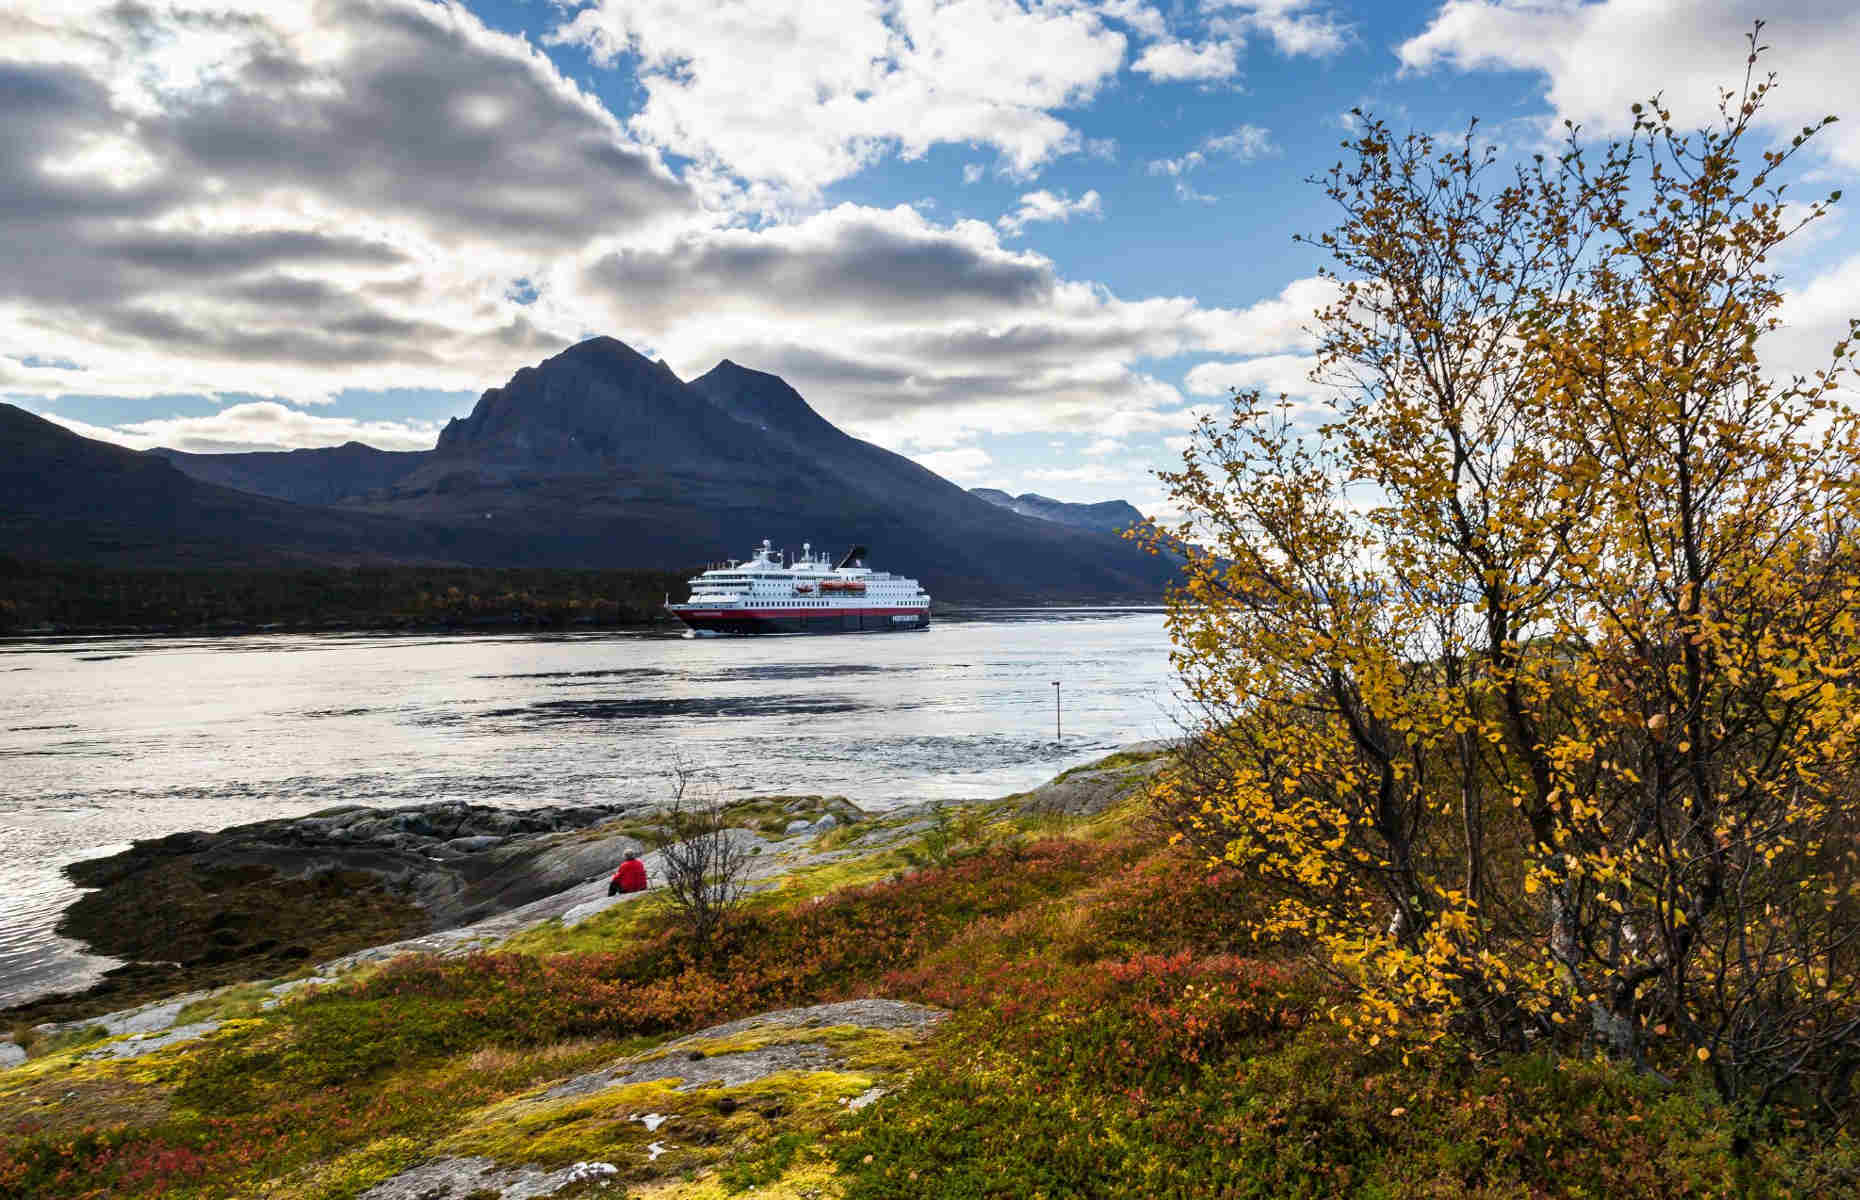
column 599, row 457
column 1109, row 516
column 71, row 499
column 325, row 476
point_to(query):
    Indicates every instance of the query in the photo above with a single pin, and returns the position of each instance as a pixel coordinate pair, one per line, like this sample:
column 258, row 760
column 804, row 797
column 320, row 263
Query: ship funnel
column 852, row 556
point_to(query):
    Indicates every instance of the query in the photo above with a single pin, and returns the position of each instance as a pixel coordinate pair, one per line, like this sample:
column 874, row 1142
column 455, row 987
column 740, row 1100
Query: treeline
column 59, row 597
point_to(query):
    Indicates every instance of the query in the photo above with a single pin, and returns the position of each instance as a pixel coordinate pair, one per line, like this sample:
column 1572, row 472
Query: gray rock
column 471, row 845
column 292, row 985
column 147, row 1018
column 798, row 826
column 671, row 1061
column 138, row 1044
column 730, row 1070
column 868, row 1014
column 1087, row 792
column 11, row 1054
column 879, row 837
column 456, row 1178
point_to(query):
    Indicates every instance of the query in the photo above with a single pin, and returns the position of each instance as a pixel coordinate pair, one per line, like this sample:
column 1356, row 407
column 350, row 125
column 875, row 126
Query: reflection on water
column 108, row 740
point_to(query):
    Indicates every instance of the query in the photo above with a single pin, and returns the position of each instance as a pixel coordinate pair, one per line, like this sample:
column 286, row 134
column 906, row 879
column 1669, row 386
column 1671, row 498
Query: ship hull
column 849, row 620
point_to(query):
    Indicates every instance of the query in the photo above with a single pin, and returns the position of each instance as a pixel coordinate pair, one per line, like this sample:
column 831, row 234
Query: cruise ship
column 771, row 593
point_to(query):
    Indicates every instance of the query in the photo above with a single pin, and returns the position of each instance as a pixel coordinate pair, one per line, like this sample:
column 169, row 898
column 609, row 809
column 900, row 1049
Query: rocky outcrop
column 678, row 1111
column 1089, row 790
column 472, row 1177
column 456, row 861
column 266, row 899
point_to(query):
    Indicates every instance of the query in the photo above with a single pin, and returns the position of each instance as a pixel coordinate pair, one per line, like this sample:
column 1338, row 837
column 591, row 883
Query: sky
column 1025, row 242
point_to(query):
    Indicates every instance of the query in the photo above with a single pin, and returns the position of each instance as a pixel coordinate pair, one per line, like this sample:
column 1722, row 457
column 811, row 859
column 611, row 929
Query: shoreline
column 546, row 877
column 507, row 626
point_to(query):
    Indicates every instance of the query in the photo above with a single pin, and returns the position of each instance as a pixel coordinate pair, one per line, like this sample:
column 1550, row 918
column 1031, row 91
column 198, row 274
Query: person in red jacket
column 631, row 877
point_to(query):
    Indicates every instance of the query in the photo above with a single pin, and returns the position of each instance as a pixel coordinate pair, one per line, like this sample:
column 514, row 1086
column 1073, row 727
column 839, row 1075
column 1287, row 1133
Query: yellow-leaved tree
column 1527, row 670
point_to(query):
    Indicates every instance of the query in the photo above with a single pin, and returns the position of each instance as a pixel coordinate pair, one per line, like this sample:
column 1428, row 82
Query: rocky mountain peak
column 763, row 401
column 597, row 404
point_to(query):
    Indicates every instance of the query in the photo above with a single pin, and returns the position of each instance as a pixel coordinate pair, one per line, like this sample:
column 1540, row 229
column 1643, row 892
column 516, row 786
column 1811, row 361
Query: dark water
column 104, row 741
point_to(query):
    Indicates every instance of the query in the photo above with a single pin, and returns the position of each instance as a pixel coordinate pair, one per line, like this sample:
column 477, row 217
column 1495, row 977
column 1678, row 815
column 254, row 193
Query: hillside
column 599, row 457
column 66, row 498
column 1106, row 516
column 1033, row 996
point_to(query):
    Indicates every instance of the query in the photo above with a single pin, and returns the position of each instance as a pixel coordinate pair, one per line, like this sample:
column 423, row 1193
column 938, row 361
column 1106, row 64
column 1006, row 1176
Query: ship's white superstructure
column 771, row 592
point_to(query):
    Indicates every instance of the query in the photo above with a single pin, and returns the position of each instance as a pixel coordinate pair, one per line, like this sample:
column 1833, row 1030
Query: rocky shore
column 262, row 900
column 522, row 1105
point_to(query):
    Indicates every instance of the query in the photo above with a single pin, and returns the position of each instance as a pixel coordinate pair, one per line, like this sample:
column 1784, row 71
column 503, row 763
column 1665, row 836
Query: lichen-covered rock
column 685, row 1109
column 1089, row 790
column 459, row 1178
column 138, row 1044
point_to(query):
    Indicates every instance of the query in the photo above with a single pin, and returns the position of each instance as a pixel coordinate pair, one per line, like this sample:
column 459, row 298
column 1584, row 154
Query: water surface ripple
column 108, row 740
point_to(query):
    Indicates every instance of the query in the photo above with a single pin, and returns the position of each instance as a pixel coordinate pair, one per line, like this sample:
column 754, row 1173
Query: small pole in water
column 1057, row 735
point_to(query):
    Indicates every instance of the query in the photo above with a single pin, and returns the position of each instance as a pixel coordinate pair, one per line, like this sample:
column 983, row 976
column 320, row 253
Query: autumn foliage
column 1527, row 668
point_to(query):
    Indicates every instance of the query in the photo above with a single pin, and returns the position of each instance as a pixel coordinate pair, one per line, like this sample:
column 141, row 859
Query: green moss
column 245, row 1000
column 349, row 1175
column 704, row 1127
column 46, row 1045
column 64, row 1092
column 859, row 1048
column 607, row 930
column 1123, row 758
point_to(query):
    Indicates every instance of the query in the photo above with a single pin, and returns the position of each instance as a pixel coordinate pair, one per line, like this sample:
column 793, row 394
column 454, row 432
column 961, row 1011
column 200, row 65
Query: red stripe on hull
column 805, row 620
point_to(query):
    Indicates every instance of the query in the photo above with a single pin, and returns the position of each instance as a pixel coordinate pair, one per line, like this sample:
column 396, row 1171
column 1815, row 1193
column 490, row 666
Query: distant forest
column 35, row 596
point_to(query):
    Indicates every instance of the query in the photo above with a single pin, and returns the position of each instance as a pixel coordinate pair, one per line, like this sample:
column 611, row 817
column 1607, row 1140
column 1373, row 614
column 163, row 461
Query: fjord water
column 103, row 741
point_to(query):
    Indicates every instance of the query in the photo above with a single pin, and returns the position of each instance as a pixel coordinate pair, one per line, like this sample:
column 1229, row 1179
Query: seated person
column 631, row 877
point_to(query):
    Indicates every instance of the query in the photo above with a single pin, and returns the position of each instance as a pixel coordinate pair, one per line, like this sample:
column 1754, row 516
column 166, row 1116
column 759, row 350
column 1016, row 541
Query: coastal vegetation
column 1514, row 855
column 1117, row 1026
column 37, row 596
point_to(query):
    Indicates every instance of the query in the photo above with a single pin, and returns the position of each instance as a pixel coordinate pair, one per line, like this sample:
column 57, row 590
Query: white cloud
column 1295, row 27
column 972, row 172
column 1049, row 206
column 1177, row 61
column 1244, row 143
column 256, row 425
column 1140, row 18
column 1600, row 58
column 896, row 327
column 796, row 94
column 1814, row 317
column 1090, row 473
column 1268, row 327
column 286, row 200
column 1273, row 374
column 967, row 464
column 1102, row 447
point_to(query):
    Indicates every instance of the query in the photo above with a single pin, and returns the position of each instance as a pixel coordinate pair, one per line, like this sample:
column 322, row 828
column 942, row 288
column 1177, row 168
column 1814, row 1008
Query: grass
column 1116, row 1030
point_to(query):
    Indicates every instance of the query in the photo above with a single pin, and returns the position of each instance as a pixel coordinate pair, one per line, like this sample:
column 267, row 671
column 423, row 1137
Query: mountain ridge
column 1106, row 516
column 600, row 457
